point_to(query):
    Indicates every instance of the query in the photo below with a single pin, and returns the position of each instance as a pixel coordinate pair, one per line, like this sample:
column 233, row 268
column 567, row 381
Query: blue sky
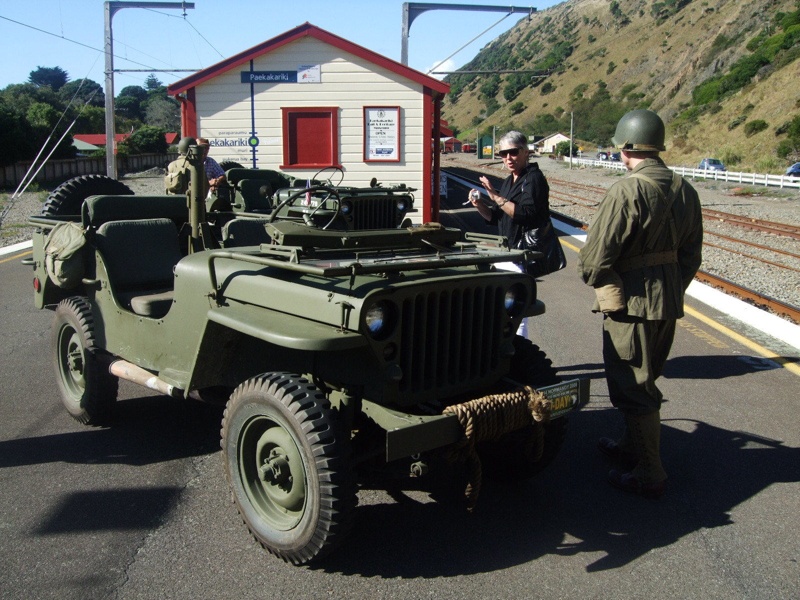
column 69, row 33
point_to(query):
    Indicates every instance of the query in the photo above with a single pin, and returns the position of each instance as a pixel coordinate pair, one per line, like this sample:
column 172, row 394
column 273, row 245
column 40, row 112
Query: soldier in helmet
column 177, row 178
column 642, row 251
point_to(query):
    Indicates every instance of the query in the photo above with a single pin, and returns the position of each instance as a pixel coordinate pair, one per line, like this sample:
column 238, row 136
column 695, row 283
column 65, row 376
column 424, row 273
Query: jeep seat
column 139, row 256
column 250, row 196
column 254, row 196
column 97, row 210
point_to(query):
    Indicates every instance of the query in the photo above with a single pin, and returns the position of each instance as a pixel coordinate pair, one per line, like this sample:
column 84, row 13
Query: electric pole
column 110, row 9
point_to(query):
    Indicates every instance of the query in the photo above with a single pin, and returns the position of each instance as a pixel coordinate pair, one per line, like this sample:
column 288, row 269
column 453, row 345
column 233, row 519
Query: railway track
column 575, row 203
column 782, row 229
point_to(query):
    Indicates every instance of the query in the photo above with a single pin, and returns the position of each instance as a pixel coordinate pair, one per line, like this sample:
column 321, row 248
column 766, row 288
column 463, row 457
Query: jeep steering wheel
column 328, row 181
column 332, row 194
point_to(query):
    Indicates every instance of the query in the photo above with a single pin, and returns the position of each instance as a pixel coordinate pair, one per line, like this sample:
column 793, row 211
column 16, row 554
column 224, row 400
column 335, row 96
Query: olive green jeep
column 337, row 353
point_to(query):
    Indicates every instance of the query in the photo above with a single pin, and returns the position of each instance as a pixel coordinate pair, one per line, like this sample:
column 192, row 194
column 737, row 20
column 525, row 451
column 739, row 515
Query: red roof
column 306, row 30
column 99, row 139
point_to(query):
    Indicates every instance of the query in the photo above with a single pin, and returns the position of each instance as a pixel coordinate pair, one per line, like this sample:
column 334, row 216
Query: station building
column 308, row 99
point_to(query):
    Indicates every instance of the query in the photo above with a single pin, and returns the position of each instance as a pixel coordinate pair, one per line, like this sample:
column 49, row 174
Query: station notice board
column 381, row 133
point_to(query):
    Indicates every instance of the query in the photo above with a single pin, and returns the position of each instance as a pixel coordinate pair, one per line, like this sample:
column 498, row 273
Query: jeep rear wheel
column 521, row 454
column 88, row 390
column 287, row 465
column 68, row 197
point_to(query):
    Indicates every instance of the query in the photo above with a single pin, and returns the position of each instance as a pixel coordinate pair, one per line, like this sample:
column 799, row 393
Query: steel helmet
column 183, row 145
column 639, row 131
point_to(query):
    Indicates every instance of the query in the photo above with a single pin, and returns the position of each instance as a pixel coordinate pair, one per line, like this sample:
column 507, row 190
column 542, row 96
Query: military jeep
column 337, row 353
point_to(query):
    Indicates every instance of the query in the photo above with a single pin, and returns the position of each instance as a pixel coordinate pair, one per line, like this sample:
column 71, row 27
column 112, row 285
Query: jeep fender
column 285, row 330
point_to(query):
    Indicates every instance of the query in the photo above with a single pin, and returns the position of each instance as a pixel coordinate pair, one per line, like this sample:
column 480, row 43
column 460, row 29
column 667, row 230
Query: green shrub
column 768, row 164
column 730, row 157
column 782, row 128
column 736, row 122
column 753, row 127
column 786, row 148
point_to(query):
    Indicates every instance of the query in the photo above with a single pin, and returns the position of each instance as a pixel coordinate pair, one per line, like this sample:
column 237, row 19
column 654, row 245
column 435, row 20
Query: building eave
column 306, row 30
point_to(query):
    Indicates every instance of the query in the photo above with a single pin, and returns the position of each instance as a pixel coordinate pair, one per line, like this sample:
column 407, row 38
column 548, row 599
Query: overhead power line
column 76, row 42
column 189, row 23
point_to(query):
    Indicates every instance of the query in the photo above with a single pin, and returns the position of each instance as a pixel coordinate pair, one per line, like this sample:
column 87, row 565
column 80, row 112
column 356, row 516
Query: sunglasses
column 511, row 151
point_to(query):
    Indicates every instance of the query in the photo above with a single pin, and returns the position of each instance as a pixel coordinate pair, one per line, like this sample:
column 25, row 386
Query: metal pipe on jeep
column 130, row 372
column 198, row 185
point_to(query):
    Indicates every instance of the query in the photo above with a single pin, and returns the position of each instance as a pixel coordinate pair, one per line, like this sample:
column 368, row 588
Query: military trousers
column 634, row 353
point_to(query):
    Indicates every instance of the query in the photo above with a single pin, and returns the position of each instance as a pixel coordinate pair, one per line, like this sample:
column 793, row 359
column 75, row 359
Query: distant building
column 547, row 145
column 450, row 144
column 84, row 148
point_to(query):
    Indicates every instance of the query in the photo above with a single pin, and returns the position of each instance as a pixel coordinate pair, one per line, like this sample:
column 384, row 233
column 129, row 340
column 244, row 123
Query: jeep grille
column 450, row 338
column 374, row 212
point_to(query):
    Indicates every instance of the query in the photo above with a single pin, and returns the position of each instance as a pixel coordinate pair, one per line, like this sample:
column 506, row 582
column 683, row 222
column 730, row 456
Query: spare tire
column 68, row 198
column 230, row 164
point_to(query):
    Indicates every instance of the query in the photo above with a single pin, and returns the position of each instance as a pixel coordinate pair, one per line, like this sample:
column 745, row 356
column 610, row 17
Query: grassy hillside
column 723, row 74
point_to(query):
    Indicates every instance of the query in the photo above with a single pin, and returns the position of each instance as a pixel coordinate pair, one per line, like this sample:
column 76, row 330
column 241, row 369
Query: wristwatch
column 502, row 203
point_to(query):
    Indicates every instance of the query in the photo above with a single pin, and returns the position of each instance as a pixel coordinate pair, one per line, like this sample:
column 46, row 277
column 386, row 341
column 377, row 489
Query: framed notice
column 381, row 134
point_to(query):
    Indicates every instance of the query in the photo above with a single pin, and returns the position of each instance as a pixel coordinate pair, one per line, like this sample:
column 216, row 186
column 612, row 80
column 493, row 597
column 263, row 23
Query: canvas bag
column 176, row 180
column 63, row 255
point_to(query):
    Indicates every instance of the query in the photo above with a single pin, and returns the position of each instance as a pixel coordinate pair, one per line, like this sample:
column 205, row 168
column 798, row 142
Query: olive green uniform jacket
column 626, row 222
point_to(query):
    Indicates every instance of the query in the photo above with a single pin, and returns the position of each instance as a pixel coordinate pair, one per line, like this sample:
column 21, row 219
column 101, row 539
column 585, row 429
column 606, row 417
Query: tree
column 53, row 77
column 21, row 95
column 133, row 91
column 164, row 113
column 15, row 135
column 562, row 149
column 152, row 82
column 42, row 117
column 128, row 107
column 91, row 120
column 131, row 104
column 82, row 92
column 147, row 139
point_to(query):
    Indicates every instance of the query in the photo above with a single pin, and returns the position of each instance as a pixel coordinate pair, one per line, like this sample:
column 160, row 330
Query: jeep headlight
column 402, row 204
column 514, row 300
column 379, row 319
column 346, row 207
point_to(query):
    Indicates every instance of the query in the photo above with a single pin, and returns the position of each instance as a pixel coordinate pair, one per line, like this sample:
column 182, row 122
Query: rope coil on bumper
column 489, row 418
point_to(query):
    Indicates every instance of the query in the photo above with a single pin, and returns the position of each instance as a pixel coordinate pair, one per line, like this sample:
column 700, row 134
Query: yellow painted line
column 570, row 246
column 787, row 363
column 15, row 257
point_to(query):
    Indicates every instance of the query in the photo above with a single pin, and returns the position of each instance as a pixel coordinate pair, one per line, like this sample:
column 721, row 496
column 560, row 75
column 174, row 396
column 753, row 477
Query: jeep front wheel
column 287, row 464
column 88, row 390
